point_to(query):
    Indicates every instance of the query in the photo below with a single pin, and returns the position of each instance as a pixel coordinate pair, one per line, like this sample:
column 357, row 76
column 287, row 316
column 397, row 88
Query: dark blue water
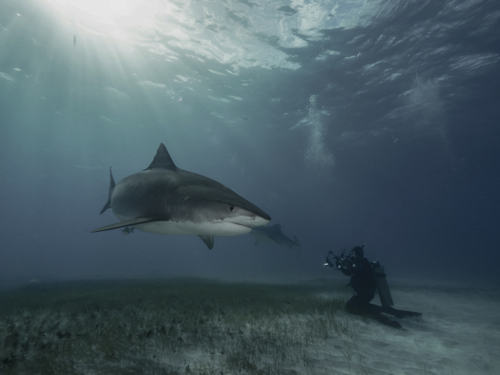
column 347, row 122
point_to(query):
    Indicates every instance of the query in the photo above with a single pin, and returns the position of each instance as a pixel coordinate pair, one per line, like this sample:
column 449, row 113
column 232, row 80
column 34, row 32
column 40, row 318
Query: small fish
column 127, row 230
column 273, row 235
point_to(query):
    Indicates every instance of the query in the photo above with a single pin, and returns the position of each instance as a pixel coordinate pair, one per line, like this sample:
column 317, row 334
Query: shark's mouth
column 245, row 225
column 229, row 228
column 226, row 222
column 246, row 221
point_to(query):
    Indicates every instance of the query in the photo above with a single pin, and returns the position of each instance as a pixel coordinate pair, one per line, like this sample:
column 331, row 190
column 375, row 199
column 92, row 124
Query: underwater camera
column 340, row 260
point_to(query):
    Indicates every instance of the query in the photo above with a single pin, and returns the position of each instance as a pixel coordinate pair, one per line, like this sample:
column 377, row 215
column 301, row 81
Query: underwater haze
column 348, row 122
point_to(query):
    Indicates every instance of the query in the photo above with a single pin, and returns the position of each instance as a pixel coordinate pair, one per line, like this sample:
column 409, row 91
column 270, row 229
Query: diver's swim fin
column 400, row 313
column 388, row 322
column 405, row 314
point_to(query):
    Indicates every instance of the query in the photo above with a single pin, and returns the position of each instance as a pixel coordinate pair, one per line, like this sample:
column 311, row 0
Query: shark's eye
column 231, row 208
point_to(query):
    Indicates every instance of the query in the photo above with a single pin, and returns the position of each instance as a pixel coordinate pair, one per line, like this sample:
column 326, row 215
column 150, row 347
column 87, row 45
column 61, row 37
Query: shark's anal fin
column 126, row 223
column 209, row 240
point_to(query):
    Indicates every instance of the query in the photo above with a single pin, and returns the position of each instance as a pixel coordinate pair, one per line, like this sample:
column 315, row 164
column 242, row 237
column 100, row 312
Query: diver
column 366, row 278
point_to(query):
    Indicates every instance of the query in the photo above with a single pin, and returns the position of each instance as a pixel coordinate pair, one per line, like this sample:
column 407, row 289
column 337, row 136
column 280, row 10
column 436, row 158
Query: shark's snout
column 257, row 221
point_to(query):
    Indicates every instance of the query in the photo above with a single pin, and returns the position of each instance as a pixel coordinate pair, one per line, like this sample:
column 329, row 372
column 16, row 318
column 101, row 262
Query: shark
column 273, row 235
column 165, row 199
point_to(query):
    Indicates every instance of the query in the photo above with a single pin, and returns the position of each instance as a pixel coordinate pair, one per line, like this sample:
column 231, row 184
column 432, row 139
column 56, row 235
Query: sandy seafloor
column 206, row 327
column 459, row 333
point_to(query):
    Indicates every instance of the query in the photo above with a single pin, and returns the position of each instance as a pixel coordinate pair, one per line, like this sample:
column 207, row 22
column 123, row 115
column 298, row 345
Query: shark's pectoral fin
column 126, row 223
column 209, row 240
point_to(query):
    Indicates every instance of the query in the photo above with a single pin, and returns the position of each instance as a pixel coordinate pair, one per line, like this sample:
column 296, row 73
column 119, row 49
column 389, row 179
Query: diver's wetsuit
column 364, row 283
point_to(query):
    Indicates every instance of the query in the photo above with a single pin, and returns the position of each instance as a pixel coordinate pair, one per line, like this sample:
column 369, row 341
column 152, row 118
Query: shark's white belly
column 190, row 228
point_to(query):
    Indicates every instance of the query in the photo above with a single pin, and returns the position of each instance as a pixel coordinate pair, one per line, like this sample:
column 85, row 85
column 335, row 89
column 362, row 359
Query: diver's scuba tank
column 383, row 288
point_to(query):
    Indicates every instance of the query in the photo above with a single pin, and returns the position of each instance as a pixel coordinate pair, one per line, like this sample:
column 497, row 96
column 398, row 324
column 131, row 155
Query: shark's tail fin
column 111, row 188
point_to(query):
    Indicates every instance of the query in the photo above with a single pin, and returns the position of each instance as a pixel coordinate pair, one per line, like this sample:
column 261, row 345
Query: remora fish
column 273, row 235
column 127, row 230
column 165, row 199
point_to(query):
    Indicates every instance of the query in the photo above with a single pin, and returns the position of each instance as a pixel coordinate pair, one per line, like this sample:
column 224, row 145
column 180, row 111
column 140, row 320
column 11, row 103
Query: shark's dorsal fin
column 162, row 160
